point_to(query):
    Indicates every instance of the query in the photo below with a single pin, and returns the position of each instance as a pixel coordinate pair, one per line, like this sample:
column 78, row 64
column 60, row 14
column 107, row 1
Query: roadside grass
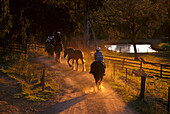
column 156, row 89
column 28, row 76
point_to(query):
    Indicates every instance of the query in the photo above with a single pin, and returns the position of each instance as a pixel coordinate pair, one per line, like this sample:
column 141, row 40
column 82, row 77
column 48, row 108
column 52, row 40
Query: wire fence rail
column 152, row 69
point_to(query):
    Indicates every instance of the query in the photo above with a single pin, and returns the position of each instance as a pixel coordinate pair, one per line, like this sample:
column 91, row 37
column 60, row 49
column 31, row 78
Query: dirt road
column 81, row 96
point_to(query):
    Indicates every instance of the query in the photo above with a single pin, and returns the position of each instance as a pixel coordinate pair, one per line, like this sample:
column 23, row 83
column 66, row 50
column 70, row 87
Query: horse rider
column 48, row 42
column 98, row 56
column 58, row 46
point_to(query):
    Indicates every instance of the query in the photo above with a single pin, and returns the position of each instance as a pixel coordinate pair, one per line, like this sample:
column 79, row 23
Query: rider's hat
column 59, row 32
column 98, row 49
column 48, row 40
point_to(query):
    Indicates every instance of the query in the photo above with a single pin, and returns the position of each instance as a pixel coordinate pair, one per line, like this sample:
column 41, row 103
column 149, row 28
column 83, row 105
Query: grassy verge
column 28, row 77
column 156, row 91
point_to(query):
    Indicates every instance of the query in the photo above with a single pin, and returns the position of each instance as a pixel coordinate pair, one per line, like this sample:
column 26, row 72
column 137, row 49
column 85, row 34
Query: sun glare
column 93, row 89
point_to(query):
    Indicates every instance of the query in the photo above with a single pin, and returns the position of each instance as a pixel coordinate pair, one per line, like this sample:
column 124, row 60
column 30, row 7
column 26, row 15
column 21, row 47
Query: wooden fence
column 139, row 68
column 20, row 48
column 35, row 46
column 152, row 69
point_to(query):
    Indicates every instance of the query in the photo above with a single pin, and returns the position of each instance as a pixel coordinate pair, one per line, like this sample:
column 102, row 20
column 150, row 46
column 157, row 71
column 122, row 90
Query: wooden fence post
column 141, row 65
column 43, row 79
column 161, row 71
column 142, row 93
column 168, row 100
column 126, row 75
column 123, row 63
column 114, row 70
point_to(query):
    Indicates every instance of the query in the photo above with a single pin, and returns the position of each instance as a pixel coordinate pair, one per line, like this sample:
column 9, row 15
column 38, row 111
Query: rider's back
column 98, row 56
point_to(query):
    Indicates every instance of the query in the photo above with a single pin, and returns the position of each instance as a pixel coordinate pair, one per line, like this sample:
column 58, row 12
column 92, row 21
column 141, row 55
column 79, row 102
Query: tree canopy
column 133, row 19
column 45, row 17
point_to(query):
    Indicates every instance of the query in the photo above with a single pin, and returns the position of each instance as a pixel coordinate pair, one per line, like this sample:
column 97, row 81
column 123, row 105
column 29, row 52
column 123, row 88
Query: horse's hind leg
column 68, row 62
column 59, row 56
column 83, row 62
column 98, row 85
column 58, row 59
column 77, row 65
column 73, row 65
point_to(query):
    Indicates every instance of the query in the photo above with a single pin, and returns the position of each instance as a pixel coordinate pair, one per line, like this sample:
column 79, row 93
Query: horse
column 50, row 50
column 74, row 55
column 58, row 46
column 98, row 72
column 57, row 49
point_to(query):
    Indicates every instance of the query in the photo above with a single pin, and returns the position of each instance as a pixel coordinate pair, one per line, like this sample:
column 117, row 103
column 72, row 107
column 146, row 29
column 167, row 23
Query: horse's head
column 65, row 53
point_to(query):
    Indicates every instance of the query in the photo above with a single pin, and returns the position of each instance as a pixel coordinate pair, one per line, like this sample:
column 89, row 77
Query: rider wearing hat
column 98, row 56
column 48, row 42
column 58, row 46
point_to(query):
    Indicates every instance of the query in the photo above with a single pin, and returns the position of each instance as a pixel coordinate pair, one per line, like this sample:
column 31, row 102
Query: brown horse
column 98, row 72
column 74, row 55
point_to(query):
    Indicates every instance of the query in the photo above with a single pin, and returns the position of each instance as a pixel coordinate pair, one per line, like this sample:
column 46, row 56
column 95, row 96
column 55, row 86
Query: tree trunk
column 133, row 39
column 135, row 51
column 94, row 36
column 134, row 46
column 86, row 26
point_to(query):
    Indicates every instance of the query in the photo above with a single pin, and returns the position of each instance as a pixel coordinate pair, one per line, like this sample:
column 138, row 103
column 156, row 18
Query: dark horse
column 58, row 47
column 74, row 55
column 50, row 50
column 98, row 72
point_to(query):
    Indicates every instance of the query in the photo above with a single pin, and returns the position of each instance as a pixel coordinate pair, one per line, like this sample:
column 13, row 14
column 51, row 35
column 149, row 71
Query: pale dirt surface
column 81, row 96
column 77, row 96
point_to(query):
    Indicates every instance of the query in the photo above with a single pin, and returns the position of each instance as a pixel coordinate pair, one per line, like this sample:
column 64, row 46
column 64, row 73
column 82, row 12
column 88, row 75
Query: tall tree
column 134, row 19
column 40, row 19
column 5, row 18
column 80, row 11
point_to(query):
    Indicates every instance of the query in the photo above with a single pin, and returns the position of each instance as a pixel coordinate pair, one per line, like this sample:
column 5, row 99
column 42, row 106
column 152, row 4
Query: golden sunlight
column 93, row 89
